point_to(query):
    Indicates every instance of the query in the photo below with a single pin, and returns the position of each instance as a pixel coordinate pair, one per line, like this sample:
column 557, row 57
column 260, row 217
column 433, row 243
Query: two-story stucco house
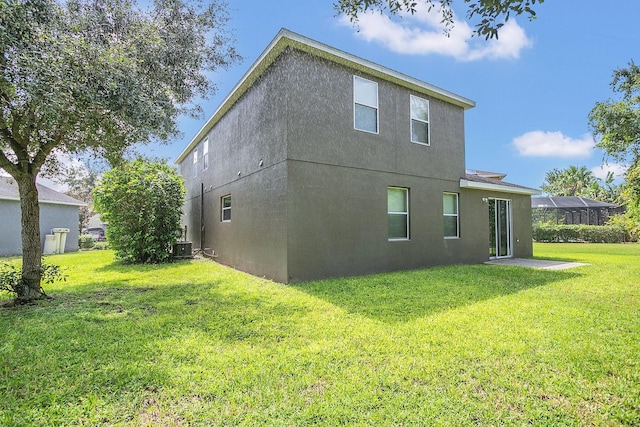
column 321, row 164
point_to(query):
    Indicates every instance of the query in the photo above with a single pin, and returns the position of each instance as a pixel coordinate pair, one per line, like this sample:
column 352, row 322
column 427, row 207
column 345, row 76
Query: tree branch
column 8, row 165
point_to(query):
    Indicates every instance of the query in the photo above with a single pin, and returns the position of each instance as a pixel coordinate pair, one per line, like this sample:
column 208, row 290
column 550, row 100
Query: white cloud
column 423, row 34
column 553, row 144
column 601, row 172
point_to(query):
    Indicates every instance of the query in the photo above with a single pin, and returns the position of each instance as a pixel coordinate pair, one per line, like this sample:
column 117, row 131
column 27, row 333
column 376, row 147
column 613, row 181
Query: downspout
column 202, row 216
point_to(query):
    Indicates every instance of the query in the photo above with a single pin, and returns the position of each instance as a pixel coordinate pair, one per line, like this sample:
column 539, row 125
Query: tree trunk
column 31, row 252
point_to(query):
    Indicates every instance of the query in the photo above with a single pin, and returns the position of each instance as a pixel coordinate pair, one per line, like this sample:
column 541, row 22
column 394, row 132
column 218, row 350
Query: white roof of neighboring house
column 9, row 191
column 286, row 38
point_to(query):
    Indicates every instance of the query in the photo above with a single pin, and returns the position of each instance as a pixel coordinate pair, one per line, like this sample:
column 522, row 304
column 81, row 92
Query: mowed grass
column 196, row 343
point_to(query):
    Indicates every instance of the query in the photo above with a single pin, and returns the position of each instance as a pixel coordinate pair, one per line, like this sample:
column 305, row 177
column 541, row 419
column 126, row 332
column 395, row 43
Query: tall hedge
column 578, row 233
column 142, row 203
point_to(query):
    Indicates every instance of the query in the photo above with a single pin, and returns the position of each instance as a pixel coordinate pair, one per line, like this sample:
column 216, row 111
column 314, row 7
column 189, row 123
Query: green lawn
column 195, row 343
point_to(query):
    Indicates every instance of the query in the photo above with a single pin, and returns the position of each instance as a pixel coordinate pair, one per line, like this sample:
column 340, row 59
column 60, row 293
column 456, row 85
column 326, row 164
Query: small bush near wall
column 101, row 246
column 578, row 233
column 86, row 241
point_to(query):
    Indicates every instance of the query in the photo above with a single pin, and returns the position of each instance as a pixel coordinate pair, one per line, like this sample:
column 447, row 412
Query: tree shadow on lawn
column 404, row 296
column 213, row 308
column 122, row 267
column 118, row 337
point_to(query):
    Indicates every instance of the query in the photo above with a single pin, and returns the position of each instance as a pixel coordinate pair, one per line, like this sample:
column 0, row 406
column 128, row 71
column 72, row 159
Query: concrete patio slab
column 536, row 263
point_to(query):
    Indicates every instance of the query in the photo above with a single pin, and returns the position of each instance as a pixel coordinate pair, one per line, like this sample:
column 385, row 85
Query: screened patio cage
column 572, row 210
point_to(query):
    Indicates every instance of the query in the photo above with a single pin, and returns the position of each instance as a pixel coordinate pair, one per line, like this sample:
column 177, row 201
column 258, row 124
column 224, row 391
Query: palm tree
column 572, row 181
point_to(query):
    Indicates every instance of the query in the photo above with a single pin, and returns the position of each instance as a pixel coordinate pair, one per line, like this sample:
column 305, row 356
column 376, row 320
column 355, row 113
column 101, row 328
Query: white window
column 225, row 203
column 365, row 105
column 205, row 154
column 195, row 162
column 450, row 210
column 398, row 213
column 419, row 120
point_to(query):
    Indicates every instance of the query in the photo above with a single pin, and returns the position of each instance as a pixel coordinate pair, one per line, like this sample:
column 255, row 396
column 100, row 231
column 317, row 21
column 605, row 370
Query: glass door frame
column 496, row 235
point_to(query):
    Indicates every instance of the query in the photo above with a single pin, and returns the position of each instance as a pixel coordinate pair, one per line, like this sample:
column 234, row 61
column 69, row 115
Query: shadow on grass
column 403, row 296
column 221, row 312
column 109, row 335
column 121, row 267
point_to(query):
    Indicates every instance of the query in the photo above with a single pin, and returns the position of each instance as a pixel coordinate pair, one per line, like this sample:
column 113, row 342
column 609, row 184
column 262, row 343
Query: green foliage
column 101, row 75
column 194, row 343
column 11, row 276
column 616, row 122
column 545, row 232
column 101, row 246
column 579, row 181
column 492, row 14
column 96, row 77
column 142, row 202
column 627, row 222
column 86, row 241
column 543, row 216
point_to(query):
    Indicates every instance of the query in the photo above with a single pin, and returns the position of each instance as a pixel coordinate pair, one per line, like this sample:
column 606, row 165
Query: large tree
column 97, row 76
column 616, row 124
column 491, row 14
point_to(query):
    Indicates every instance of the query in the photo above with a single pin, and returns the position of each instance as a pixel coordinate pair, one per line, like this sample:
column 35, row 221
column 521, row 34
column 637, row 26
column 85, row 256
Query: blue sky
column 533, row 88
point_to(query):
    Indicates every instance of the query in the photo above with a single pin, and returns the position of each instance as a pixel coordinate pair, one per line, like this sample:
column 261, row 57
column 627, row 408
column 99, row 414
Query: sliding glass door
column 500, row 241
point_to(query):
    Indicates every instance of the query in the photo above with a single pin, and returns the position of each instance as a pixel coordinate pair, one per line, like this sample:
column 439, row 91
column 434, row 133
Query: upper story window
column 398, row 213
column 195, row 162
column 365, row 105
column 419, row 120
column 205, row 154
column 225, row 203
column 450, row 210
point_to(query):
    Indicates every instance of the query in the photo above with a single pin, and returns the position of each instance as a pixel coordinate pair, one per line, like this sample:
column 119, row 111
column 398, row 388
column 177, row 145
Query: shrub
column 11, row 276
column 86, row 241
column 142, row 202
column 627, row 223
column 101, row 246
column 578, row 233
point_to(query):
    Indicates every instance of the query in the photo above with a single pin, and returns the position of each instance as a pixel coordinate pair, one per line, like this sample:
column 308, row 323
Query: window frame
column 224, row 208
column 406, row 213
column 205, row 154
column 376, row 107
column 195, row 162
column 456, row 215
column 427, row 122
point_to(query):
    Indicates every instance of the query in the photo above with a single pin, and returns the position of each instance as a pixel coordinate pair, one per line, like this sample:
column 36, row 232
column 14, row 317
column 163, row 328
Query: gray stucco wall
column 338, row 177
column 320, row 126
column 309, row 193
column 338, row 224
column 51, row 216
column 247, row 159
column 475, row 221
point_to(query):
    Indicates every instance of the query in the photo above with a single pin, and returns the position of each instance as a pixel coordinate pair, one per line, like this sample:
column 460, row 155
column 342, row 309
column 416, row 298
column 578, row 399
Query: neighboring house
column 573, row 210
column 96, row 227
column 57, row 210
column 322, row 164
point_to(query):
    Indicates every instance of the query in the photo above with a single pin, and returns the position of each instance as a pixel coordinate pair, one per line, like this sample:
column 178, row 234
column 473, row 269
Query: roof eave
column 473, row 185
column 50, row 202
column 286, row 38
